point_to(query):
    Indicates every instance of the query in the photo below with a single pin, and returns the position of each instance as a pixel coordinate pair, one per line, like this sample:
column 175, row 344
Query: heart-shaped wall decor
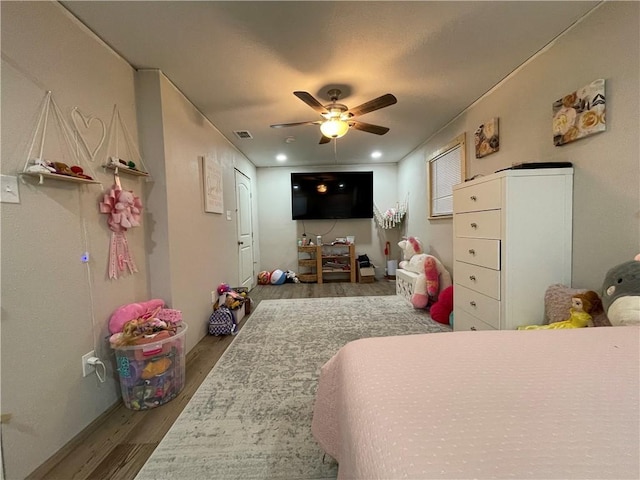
column 82, row 124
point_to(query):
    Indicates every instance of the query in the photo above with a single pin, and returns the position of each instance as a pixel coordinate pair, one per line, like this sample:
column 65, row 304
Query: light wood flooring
column 117, row 444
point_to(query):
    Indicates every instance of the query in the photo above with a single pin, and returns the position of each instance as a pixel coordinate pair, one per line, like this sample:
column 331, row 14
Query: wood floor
column 117, row 444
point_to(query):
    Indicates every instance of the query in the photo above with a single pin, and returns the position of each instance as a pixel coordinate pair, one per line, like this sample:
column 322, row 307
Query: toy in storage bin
column 153, row 373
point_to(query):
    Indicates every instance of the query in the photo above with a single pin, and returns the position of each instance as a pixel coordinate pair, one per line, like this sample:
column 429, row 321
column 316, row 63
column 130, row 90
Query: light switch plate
column 228, row 214
column 9, row 189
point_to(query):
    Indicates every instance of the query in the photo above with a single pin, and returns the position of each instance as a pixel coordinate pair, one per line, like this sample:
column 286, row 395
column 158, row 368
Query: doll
column 582, row 306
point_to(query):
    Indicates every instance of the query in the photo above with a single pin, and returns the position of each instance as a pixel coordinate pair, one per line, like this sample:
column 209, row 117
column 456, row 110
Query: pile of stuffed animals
column 149, row 342
column 620, row 296
column 143, row 322
column 277, row 277
column 620, row 301
column 232, row 298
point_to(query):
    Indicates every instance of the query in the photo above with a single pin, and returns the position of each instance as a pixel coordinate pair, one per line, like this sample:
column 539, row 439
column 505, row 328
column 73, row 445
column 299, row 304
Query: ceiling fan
column 338, row 118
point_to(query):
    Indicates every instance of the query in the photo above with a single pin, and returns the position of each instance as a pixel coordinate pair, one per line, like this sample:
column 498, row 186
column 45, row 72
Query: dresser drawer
column 473, row 198
column 477, row 224
column 482, row 252
column 479, row 279
column 462, row 321
column 480, row 306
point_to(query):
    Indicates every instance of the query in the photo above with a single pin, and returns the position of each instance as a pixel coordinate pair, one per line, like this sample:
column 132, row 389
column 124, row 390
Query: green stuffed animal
column 621, row 293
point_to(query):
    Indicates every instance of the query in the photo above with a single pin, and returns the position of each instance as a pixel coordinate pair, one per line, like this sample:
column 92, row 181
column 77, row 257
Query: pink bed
column 503, row 404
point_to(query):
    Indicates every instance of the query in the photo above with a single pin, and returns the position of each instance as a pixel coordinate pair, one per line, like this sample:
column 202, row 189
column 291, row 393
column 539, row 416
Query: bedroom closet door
column 245, row 230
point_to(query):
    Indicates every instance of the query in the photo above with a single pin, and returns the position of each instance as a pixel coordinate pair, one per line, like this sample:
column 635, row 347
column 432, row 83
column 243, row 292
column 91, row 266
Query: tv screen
column 331, row 195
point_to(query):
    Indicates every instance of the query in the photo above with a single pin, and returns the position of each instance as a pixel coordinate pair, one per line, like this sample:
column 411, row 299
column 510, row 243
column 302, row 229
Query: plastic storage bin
column 152, row 374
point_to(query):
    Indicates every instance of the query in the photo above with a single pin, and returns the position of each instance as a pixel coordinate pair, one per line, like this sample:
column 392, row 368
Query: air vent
column 242, row 134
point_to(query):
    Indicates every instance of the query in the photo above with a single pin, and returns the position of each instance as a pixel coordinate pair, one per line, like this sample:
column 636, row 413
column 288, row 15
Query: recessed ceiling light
column 281, row 157
column 376, row 154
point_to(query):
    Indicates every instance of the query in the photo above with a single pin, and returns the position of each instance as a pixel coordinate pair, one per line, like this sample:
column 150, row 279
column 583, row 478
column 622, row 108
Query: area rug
column 251, row 417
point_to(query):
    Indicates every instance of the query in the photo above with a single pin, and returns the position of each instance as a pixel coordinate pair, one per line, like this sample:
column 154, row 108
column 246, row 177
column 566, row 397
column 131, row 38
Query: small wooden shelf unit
column 317, row 263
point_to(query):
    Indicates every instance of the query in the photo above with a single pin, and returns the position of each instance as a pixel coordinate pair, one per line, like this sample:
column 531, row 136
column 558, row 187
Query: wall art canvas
column 487, row 138
column 212, row 184
column 579, row 114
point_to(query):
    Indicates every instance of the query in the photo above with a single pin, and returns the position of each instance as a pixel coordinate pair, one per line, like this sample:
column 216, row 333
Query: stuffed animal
column 432, row 276
column 582, row 306
column 441, row 310
column 132, row 311
column 292, row 277
column 264, row 277
column 127, row 211
column 410, row 247
column 621, row 293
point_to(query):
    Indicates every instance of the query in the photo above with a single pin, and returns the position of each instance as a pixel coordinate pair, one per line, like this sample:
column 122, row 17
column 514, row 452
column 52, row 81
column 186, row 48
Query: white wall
column 190, row 251
column 55, row 308
column 279, row 233
column 606, row 223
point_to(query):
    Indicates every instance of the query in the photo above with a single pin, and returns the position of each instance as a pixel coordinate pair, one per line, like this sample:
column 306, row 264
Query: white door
column 245, row 230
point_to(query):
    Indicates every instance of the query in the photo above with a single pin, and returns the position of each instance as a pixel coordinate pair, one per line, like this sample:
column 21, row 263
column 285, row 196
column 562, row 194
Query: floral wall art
column 579, row 114
column 487, row 138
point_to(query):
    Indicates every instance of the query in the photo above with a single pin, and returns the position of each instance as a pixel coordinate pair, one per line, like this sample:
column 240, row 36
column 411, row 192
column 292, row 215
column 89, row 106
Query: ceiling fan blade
column 375, row 104
column 367, row 127
column 295, row 124
column 307, row 98
column 324, row 139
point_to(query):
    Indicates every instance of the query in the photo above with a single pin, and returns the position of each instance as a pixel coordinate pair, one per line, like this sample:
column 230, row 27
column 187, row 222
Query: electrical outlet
column 88, row 369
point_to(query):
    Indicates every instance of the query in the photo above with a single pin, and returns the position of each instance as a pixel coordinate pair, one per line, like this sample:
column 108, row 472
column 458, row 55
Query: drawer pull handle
column 473, row 328
column 472, row 251
column 473, row 198
column 472, row 303
column 474, row 225
column 472, row 278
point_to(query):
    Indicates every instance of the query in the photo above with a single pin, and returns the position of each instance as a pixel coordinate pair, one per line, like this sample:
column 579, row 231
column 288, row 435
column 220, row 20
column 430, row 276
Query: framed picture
column 579, row 114
column 487, row 138
column 447, row 167
column 212, row 184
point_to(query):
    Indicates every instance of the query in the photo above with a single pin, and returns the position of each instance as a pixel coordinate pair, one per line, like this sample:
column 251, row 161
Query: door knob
column 240, row 243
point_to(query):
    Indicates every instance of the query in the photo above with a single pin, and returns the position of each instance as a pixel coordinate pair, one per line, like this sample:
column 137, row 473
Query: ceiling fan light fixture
column 334, row 128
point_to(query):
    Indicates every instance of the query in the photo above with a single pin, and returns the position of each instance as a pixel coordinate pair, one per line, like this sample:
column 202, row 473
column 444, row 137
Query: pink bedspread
column 505, row 404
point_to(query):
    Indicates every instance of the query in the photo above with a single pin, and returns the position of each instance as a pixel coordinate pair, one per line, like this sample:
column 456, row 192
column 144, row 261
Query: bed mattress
column 495, row 404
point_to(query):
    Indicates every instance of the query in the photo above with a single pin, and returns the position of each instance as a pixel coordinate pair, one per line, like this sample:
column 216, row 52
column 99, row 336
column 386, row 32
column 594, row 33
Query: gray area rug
column 251, row 417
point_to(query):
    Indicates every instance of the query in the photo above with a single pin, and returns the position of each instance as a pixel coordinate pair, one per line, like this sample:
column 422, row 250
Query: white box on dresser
column 512, row 239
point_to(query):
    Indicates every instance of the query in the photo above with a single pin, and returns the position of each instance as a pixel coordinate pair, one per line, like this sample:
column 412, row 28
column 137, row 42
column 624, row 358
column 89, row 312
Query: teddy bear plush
column 126, row 210
column 432, row 275
column 621, row 293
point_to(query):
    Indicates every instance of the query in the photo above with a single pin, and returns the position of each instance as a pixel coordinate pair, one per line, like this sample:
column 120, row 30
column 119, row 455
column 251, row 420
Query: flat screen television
column 331, row 195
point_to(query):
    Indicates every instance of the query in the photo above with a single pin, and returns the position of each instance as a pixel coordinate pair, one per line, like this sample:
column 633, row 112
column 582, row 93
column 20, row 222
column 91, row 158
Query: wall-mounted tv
column 331, row 195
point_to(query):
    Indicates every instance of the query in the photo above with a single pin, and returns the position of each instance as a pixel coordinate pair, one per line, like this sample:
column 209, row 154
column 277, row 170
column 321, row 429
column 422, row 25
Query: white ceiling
column 239, row 62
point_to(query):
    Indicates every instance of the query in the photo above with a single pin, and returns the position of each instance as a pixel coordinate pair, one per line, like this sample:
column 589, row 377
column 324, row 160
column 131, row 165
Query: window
column 447, row 168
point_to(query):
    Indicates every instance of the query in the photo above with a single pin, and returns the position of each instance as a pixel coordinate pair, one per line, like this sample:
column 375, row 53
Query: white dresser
column 512, row 239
